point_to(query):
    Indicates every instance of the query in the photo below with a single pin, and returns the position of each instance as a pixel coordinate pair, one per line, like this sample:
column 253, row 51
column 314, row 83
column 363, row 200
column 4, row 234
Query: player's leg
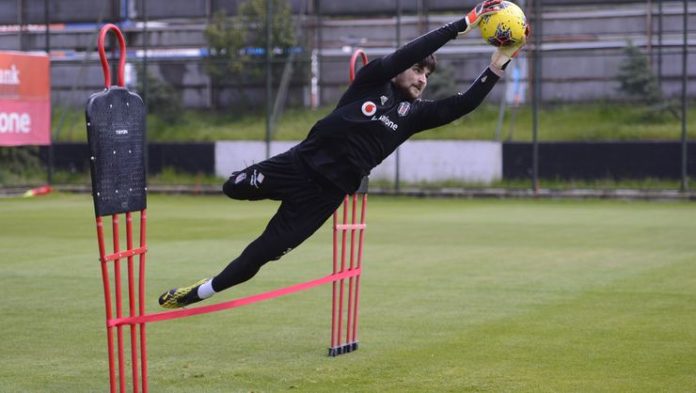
column 274, row 178
column 247, row 184
column 288, row 228
column 306, row 206
column 292, row 225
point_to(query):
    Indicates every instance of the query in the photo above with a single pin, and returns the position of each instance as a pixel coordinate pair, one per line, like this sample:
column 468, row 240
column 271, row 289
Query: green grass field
column 457, row 296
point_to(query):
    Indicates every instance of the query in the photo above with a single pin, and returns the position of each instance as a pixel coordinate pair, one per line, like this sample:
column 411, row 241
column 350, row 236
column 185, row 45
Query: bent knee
column 239, row 186
column 234, row 187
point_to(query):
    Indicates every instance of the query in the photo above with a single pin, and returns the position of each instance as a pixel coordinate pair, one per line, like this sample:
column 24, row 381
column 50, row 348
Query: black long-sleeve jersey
column 373, row 117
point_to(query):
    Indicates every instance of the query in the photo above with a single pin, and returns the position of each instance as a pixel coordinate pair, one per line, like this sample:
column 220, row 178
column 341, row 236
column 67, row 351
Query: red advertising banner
column 25, row 99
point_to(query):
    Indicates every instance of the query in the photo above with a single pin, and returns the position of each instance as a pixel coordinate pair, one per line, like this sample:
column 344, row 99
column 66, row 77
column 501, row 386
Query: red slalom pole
column 107, row 303
column 343, row 267
column 102, row 55
column 131, row 301
column 361, row 239
column 337, row 347
column 353, row 59
column 119, row 309
column 349, row 321
column 102, row 209
column 334, row 298
column 141, row 301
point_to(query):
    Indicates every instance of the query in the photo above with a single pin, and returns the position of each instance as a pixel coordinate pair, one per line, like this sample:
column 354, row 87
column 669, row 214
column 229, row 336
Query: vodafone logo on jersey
column 25, row 99
column 368, row 108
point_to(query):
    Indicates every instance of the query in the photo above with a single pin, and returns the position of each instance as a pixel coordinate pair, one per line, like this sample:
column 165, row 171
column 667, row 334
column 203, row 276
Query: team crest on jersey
column 369, row 108
column 403, row 108
column 240, row 178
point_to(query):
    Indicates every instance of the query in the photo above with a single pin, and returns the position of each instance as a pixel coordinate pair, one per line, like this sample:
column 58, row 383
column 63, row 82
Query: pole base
column 345, row 348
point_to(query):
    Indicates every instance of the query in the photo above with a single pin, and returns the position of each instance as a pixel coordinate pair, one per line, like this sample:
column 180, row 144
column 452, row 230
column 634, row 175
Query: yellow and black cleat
column 181, row 297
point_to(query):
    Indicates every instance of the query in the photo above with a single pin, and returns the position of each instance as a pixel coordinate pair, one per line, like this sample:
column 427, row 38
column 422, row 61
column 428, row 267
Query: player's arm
column 384, row 69
column 437, row 113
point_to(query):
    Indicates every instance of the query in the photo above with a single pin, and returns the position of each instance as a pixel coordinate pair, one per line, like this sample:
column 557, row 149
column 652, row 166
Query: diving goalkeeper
column 380, row 110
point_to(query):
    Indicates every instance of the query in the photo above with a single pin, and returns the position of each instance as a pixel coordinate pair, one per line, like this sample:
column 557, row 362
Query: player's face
column 413, row 81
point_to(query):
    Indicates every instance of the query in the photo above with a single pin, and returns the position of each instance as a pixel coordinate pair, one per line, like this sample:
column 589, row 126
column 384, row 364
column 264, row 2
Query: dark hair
column 429, row 61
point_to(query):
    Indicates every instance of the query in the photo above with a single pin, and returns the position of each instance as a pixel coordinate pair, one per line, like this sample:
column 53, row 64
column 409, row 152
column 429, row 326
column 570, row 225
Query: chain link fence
column 568, row 89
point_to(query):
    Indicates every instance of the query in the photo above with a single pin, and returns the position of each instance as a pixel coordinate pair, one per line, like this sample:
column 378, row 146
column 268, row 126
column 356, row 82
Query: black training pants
column 305, row 206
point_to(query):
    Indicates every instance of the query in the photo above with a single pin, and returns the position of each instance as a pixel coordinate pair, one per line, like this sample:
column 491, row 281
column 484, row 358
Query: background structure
column 577, row 55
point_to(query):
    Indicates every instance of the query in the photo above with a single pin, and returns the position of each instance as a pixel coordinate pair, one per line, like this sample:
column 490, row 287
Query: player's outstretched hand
column 482, row 9
column 503, row 54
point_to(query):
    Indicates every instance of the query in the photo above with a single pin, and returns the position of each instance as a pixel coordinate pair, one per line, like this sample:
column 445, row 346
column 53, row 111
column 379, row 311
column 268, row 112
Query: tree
column 226, row 38
column 163, row 99
column 442, row 83
column 254, row 13
column 636, row 78
column 236, row 43
column 638, row 81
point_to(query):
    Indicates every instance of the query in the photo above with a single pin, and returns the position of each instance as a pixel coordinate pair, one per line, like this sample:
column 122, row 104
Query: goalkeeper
column 380, row 110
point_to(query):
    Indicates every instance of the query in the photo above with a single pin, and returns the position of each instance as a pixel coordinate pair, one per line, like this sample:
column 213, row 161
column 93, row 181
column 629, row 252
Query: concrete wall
column 430, row 161
column 419, row 161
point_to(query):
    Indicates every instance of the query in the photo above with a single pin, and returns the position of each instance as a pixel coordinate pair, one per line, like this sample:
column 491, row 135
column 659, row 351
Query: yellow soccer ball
column 506, row 27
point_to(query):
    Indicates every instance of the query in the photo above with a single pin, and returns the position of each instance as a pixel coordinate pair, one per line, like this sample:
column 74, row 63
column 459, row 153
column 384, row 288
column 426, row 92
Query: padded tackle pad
column 116, row 137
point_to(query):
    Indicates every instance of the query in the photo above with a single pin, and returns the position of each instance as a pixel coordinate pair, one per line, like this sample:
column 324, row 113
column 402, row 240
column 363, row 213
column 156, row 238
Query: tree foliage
column 163, row 99
column 254, row 13
column 226, row 38
column 237, row 44
column 18, row 163
column 638, row 82
column 442, row 83
column 636, row 77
